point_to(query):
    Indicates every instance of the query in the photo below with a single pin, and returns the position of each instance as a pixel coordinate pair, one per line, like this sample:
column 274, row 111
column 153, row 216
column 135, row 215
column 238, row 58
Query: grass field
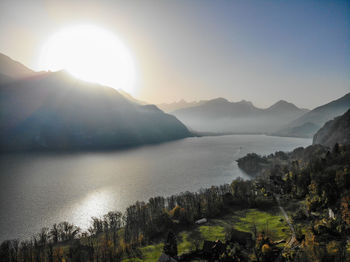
column 244, row 220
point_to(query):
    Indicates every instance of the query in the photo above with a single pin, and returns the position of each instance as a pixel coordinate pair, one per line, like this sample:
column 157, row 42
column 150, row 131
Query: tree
column 54, row 233
column 114, row 222
column 170, row 246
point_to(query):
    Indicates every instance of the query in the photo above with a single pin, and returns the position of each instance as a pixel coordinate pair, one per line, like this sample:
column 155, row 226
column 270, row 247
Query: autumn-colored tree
column 345, row 209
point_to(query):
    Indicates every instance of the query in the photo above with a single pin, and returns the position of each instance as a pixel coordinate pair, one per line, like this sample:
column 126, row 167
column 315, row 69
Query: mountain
column 316, row 118
column 305, row 130
column 13, row 69
column 55, row 111
column 170, row 107
column 221, row 115
column 218, row 108
column 283, row 107
column 5, row 79
column 334, row 131
column 131, row 98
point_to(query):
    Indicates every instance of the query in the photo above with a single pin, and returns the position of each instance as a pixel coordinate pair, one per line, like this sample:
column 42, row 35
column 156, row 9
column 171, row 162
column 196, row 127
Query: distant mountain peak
column 178, row 105
column 283, row 102
column 245, row 102
column 219, row 100
column 283, row 105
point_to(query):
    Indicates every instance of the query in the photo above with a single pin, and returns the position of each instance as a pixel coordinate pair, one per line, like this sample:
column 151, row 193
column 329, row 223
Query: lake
column 40, row 189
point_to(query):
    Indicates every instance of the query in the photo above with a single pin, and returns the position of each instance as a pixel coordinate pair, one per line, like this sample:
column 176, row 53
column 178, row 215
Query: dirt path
column 293, row 238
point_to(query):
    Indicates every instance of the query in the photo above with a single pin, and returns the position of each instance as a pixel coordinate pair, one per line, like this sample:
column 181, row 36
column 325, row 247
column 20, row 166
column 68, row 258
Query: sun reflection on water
column 95, row 204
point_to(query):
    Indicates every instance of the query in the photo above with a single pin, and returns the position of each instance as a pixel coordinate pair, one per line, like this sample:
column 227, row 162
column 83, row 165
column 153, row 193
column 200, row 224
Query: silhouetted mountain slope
column 221, row 115
column 57, row 111
column 334, row 131
column 13, row 69
column 5, row 79
column 131, row 98
column 316, row 118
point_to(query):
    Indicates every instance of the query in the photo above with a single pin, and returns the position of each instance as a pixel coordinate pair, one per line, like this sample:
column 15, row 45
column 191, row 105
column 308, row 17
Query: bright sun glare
column 91, row 54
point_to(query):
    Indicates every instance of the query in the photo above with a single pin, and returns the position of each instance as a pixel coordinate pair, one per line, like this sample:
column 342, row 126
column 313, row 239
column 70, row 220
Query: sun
column 92, row 54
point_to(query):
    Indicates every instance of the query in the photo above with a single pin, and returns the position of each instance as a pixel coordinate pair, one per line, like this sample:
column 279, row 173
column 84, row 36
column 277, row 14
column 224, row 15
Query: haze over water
column 41, row 189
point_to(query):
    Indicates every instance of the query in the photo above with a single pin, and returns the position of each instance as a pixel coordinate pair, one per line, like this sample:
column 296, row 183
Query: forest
column 312, row 183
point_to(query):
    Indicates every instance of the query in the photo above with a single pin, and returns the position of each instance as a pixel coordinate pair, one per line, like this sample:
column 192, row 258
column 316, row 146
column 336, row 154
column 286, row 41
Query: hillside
column 221, row 115
column 308, row 124
column 131, row 98
column 5, row 79
column 56, row 111
column 334, row 131
column 13, row 69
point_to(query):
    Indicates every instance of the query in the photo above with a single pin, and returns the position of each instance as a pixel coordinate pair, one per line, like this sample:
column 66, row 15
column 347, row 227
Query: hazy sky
column 260, row 51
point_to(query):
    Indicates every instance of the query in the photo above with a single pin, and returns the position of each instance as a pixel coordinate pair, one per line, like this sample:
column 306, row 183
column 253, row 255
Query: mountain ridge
column 283, row 104
column 170, row 107
column 316, row 117
column 221, row 115
column 55, row 111
column 14, row 69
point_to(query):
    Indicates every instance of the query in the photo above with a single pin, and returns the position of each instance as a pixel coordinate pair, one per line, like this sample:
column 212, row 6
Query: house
column 201, row 221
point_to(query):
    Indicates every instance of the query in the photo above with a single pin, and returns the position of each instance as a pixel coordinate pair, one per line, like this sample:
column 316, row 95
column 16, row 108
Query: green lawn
column 149, row 253
column 243, row 220
column 152, row 253
column 272, row 224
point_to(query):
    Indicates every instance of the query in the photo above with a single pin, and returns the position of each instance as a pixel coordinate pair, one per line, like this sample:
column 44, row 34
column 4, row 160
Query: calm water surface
column 40, row 189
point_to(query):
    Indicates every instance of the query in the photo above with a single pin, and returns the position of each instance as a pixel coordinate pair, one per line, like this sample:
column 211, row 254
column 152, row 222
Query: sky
column 261, row 51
